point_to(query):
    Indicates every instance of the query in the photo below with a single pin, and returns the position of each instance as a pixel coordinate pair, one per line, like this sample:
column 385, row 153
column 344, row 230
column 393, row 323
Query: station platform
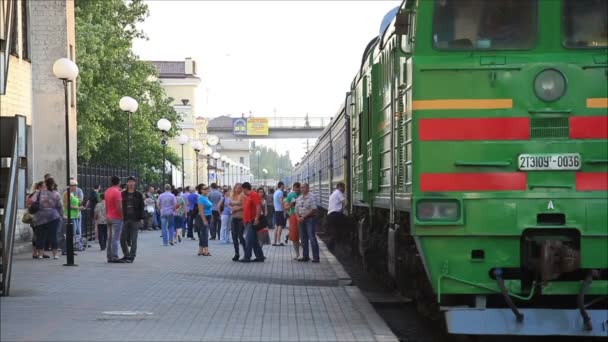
column 171, row 294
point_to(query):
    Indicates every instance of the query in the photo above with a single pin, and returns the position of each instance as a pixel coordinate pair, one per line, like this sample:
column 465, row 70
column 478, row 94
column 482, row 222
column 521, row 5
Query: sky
column 291, row 58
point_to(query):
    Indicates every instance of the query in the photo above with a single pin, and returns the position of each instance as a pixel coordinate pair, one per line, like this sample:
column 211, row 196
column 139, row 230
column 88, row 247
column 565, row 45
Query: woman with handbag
column 262, row 227
column 47, row 210
column 28, row 217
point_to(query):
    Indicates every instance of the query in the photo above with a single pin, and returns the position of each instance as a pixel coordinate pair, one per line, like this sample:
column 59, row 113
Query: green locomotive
column 475, row 137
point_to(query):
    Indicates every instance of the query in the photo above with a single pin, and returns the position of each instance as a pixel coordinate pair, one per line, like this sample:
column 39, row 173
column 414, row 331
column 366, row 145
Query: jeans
column 215, row 224
column 47, row 232
column 225, row 231
column 237, row 230
column 270, row 216
column 77, row 233
column 114, row 231
column 252, row 243
column 167, row 226
column 156, row 218
column 308, row 230
column 102, row 231
column 129, row 233
column 203, row 230
column 190, row 223
column 179, row 221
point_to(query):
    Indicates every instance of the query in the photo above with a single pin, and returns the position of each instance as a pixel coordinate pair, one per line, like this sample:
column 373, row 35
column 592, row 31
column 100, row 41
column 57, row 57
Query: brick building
column 33, row 35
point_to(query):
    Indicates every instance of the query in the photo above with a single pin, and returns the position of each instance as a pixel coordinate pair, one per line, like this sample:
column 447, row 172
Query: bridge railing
column 298, row 122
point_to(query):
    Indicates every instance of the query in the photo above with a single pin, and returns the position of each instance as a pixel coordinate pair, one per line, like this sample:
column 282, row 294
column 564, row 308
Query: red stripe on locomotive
column 591, row 181
column 474, row 129
column 486, row 181
column 589, row 127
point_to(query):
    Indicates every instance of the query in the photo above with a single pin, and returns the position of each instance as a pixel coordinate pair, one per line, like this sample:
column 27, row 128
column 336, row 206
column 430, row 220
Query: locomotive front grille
column 549, row 128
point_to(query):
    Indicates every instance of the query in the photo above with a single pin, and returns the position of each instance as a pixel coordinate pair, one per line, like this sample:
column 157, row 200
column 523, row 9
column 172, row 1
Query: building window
column 242, row 160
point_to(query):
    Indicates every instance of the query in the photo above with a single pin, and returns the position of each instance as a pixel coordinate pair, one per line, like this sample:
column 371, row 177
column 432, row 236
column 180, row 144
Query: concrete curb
column 378, row 326
column 344, row 278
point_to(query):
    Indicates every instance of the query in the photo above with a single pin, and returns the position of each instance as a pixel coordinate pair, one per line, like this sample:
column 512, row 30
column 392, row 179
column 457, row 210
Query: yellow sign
column 257, row 126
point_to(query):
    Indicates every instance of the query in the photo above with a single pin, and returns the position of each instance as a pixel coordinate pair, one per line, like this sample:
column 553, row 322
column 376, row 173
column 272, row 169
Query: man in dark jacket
column 133, row 217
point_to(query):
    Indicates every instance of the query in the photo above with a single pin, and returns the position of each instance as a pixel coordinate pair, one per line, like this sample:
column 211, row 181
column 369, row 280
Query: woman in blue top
column 226, row 212
column 202, row 219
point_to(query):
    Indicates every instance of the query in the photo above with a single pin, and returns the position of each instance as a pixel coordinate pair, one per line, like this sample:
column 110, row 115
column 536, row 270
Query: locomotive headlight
column 438, row 210
column 550, row 85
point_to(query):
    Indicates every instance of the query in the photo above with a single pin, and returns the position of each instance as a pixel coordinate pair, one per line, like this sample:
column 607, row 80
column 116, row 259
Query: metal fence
column 89, row 176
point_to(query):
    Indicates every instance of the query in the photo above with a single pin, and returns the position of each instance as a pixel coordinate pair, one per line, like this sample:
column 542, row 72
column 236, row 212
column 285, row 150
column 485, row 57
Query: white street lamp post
column 67, row 71
column 129, row 105
column 208, row 152
column 164, row 126
column 216, row 156
column 197, row 146
column 183, row 140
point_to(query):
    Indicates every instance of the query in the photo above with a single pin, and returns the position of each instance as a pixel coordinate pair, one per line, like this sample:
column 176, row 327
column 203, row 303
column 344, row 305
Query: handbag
column 27, row 218
column 263, row 237
column 34, row 207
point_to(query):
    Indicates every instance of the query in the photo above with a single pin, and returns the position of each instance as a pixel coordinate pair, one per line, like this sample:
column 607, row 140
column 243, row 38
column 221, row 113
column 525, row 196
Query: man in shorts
column 279, row 214
column 290, row 206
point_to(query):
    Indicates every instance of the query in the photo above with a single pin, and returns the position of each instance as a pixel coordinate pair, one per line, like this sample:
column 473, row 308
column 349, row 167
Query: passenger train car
column 474, row 144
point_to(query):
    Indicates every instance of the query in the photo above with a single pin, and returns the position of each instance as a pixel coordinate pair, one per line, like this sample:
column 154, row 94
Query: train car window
column 484, row 25
column 585, row 23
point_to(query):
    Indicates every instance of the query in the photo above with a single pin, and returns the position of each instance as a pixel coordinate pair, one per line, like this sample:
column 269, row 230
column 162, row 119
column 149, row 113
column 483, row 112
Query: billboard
column 257, row 126
column 250, row 126
column 239, row 126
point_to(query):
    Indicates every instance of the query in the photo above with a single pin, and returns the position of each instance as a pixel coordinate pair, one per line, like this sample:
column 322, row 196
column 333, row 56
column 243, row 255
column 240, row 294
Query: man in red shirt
column 113, row 198
column 251, row 218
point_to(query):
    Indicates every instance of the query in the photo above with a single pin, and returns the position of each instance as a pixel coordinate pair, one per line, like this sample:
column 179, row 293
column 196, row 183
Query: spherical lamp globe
column 164, row 125
column 65, row 69
column 128, row 104
column 183, row 139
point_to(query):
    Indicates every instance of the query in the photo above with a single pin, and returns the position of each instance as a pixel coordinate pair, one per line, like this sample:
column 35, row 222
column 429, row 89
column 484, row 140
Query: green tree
column 109, row 70
column 278, row 166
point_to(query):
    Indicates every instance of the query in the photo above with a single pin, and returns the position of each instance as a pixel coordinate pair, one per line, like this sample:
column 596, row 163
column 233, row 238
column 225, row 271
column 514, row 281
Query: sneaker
column 244, row 260
column 303, row 259
column 171, row 243
column 56, row 257
column 258, row 259
column 179, row 239
column 236, row 258
column 315, row 260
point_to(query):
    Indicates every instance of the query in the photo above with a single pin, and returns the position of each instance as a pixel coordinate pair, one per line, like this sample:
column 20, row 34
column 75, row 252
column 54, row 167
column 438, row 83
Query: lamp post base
column 70, row 264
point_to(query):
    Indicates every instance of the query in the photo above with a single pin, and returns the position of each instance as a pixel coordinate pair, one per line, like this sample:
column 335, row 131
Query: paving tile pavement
column 171, row 294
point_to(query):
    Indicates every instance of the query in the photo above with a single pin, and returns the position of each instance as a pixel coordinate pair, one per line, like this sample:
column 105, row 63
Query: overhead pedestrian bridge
column 304, row 127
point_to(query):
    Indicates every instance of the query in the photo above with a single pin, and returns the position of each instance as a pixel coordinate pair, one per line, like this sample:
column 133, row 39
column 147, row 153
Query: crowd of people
column 238, row 215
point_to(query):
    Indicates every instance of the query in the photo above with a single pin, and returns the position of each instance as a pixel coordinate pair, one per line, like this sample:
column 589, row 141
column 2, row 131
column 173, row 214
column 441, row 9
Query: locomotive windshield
column 585, row 23
column 484, row 25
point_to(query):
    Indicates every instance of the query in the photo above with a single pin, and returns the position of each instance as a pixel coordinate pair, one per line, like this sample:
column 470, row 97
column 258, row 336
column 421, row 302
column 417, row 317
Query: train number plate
column 540, row 162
